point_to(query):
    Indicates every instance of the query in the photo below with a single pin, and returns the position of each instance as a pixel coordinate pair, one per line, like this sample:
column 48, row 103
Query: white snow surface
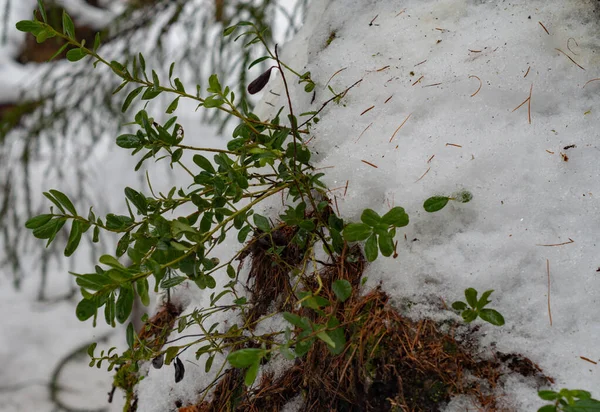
column 420, row 59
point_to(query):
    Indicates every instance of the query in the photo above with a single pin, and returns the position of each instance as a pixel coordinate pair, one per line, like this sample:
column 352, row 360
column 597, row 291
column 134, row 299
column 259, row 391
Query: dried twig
column 429, row 160
column 527, row 72
column 544, row 27
column 420, row 62
column 389, row 98
column 407, row 117
column 480, row 84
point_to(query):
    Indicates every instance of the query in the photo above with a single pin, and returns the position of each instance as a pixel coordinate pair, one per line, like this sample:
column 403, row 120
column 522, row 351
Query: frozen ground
column 456, row 69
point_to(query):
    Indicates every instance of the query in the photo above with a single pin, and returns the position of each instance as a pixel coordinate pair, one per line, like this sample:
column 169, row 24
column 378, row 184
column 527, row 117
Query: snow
column 525, row 195
column 424, row 56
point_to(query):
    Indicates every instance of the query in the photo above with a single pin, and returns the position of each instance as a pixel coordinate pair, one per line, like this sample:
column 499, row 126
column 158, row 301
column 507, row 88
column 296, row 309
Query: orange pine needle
column 363, row 132
column 544, row 27
column 452, row 144
column 370, row 164
column 418, row 80
column 589, row 81
column 405, row 120
column 548, row 270
column 423, row 175
column 529, row 68
column 480, row 84
column 570, row 58
column 367, row 110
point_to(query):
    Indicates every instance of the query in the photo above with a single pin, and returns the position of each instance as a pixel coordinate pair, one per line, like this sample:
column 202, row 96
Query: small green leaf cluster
column 436, row 203
column 569, row 400
column 478, row 308
column 378, row 231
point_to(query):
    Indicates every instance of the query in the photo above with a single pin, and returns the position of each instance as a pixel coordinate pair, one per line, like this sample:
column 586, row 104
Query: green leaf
column 155, row 80
column 243, row 233
column 435, row 203
column 142, row 290
column 179, row 85
column 354, row 232
column 342, row 289
column 74, row 55
column 111, row 261
column 548, row 408
column 96, row 42
column 325, row 338
column 42, row 10
column 172, row 282
column 255, row 62
column 371, row 251
column 172, row 351
column 370, row 217
column 59, row 51
column 173, row 106
column 337, row 335
column 64, row 200
column 204, row 163
column 296, row 320
column 396, row 217
column 53, row 200
column 137, row 199
column 214, row 85
column 124, row 304
column 386, row 244
column 244, row 358
column 469, row 315
column 129, row 99
column 261, row 222
column 49, row 229
column 129, row 335
column 85, row 309
column 458, row 305
column 92, row 281
column 492, row 316
column 109, row 310
column 251, row 373
column 150, row 93
column 68, row 26
column 129, row 141
column 38, row 221
column 471, row 295
column 30, row 26
column 212, row 101
column 74, row 238
column 484, row 299
column 548, row 395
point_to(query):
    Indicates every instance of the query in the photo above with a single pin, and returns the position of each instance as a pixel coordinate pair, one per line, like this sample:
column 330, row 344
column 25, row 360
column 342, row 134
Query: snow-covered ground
column 444, row 78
